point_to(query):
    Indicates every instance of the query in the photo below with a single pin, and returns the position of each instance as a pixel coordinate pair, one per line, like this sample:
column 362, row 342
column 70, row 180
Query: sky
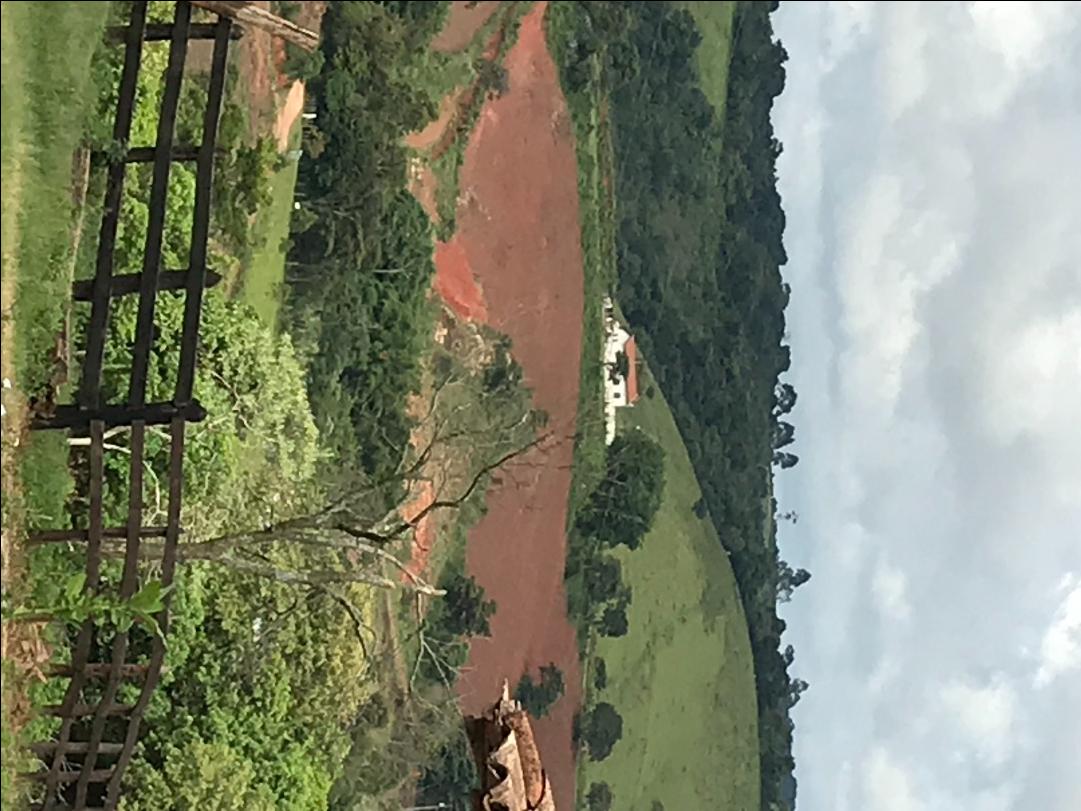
column 931, row 179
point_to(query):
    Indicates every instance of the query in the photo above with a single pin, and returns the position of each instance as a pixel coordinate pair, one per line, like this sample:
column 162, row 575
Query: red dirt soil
column 462, row 25
column 422, row 495
column 455, row 282
column 518, row 239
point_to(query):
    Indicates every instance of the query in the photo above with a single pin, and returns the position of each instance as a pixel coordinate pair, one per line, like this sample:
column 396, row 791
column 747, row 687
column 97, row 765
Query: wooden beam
column 70, row 416
column 128, row 284
column 249, row 14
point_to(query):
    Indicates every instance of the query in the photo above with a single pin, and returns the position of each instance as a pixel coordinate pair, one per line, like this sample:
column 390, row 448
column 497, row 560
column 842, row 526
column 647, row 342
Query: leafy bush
column 537, row 697
column 601, row 729
column 599, row 797
column 621, row 509
column 600, row 674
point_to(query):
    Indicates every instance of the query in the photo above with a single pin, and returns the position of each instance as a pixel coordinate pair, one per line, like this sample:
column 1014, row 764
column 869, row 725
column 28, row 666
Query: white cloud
column 1060, row 648
column 889, row 588
column 985, row 717
column 935, row 262
column 887, row 785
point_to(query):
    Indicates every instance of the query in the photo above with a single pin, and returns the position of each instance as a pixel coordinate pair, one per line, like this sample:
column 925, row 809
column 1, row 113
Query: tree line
column 700, row 249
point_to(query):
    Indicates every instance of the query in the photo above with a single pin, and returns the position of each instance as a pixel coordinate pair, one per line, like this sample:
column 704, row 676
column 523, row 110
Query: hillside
column 683, row 676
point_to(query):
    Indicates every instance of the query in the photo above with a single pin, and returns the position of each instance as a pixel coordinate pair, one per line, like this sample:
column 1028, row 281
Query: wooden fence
column 82, row 767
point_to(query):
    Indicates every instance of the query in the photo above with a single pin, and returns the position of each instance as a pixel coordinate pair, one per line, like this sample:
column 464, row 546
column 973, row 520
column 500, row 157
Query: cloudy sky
column 932, row 182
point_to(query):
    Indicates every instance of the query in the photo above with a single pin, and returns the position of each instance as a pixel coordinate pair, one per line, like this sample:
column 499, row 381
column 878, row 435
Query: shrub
column 599, row 797
column 538, row 697
column 601, row 729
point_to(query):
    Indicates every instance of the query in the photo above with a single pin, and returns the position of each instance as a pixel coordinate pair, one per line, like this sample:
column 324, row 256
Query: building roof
column 630, row 349
column 511, row 773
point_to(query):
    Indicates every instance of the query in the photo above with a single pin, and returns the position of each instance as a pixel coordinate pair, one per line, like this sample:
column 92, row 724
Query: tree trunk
column 247, row 14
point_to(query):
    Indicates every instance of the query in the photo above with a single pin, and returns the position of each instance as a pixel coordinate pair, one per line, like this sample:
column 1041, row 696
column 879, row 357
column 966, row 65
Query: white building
column 620, row 391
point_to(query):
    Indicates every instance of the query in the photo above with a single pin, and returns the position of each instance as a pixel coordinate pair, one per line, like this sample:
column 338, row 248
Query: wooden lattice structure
column 82, row 767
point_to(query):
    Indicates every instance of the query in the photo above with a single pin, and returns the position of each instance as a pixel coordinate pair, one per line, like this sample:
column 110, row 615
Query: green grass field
column 714, row 19
column 262, row 280
column 47, row 51
column 683, row 676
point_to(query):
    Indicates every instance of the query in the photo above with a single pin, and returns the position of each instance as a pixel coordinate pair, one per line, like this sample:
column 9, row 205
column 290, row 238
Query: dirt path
column 518, row 242
column 288, row 113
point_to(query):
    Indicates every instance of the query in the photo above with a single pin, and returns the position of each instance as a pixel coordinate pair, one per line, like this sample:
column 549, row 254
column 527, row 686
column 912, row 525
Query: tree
column 463, row 611
column 538, row 697
column 620, row 368
column 603, row 578
column 788, row 580
column 784, row 399
column 796, row 688
column 785, row 460
column 599, row 797
column 600, row 674
column 784, row 433
column 621, row 508
column 601, row 729
column 614, row 621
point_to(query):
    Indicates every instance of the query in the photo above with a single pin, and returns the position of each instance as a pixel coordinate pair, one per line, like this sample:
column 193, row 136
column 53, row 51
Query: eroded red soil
column 518, row 242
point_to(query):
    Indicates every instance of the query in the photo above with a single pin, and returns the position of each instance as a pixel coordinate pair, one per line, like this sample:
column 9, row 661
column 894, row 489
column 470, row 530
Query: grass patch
column 682, row 677
column 47, row 57
column 261, row 281
column 714, row 20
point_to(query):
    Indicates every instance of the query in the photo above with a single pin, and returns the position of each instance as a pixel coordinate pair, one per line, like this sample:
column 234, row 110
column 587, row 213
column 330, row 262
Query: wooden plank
column 83, row 710
column 156, row 32
column 159, row 189
column 200, row 231
column 247, row 13
column 90, row 384
column 168, row 569
column 44, row 536
column 148, row 154
column 128, row 585
column 128, row 283
column 73, row 417
column 98, row 669
column 68, row 709
column 95, row 776
column 43, row 749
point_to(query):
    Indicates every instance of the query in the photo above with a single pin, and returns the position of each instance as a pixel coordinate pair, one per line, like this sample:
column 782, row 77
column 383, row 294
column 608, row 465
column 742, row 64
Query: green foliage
column 450, row 778
column 537, row 697
column 200, row 775
column 686, row 638
column 75, row 604
column 600, row 674
column 602, row 728
column 461, row 613
column 699, row 244
column 359, row 272
column 621, row 508
column 614, row 621
column 252, row 461
column 599, row 797
column 301, row 64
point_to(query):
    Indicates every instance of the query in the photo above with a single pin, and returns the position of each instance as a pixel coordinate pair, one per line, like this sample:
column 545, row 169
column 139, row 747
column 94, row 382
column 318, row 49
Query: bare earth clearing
column 516, row 262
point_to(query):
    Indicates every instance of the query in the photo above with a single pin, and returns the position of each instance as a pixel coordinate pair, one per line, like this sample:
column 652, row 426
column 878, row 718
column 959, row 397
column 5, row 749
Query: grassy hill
column 682, row 677
column 714, row 21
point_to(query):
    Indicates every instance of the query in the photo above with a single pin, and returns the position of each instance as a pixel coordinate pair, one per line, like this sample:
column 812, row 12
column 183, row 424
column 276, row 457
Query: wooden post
column 246, row 13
